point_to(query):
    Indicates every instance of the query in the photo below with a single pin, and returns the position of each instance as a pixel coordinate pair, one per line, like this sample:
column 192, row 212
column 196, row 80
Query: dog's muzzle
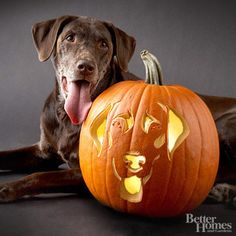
column 134, row 161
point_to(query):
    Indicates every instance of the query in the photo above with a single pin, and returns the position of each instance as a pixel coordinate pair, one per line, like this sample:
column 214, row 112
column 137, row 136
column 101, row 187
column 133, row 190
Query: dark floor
column 71, row 215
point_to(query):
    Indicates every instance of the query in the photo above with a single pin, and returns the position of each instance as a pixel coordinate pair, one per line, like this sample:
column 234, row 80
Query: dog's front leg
column 29, row 159
column 223, row 193
column 43, row 182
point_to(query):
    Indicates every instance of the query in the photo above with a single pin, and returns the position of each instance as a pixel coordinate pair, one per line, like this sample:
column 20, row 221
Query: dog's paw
column 223, row 193
column 7, row 193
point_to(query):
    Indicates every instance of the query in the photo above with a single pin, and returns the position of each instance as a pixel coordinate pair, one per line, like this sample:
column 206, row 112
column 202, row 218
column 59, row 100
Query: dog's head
column 84, row 52
column 136, row 141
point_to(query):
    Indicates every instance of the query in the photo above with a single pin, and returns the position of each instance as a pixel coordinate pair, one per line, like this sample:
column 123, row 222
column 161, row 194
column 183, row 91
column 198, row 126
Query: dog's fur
column 93, row 55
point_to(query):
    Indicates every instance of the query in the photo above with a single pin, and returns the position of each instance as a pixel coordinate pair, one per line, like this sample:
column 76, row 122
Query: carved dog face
column 136, row 142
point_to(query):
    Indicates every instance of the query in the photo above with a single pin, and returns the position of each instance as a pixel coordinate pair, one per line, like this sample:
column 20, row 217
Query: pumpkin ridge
column 139, row 88
column 153, row 89
column 199, row 159
column 200, row 169
column 148, row 191
column 105, row 180
column 171, row 166
column 184, row 150
column 92, row 172
column 185, row 158
column 107, row 168
column 141, row 95
column 183, row 185
column 162, row 89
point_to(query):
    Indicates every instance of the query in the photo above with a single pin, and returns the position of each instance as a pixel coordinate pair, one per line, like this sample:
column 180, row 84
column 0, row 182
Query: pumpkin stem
column 152, row 67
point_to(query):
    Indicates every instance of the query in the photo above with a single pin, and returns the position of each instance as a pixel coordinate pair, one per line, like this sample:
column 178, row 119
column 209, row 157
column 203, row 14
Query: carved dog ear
column 45, row 35
column 124, row 46
column 98, row 128
column 177, row 131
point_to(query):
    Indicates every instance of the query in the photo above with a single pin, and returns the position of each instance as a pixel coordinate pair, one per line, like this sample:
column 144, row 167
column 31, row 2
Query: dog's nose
column 86, row 67
column 134, row 161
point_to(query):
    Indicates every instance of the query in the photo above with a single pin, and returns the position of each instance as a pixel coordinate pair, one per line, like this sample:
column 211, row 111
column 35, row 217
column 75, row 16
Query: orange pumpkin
column 149, row 149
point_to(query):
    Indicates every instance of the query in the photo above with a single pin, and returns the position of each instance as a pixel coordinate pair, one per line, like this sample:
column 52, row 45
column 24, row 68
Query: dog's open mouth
column 78, row 101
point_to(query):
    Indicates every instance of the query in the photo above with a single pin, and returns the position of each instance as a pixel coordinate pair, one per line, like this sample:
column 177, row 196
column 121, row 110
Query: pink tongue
column 78, row 102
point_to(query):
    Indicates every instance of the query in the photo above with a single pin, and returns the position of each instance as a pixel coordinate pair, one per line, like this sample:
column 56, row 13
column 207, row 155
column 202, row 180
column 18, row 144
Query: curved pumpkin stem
column 152, row 67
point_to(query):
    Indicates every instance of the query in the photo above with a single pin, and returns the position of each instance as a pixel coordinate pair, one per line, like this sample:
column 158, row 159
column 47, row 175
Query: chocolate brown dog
column 89, row 56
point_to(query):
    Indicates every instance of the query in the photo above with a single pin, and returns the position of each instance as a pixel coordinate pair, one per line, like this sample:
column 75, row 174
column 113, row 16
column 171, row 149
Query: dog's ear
column 177, row 131
column 45, row 35
column 124, row 46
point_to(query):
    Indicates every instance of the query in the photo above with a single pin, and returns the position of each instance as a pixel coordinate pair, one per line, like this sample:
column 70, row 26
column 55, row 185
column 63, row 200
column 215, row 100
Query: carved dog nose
column 134, row 161
column 86, row 67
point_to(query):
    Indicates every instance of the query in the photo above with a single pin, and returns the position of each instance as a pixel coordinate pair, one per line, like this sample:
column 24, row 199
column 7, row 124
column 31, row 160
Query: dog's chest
column 67, row 143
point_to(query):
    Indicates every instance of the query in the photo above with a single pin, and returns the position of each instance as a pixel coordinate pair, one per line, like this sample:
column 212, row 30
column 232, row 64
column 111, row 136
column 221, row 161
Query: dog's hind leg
column 28, row 159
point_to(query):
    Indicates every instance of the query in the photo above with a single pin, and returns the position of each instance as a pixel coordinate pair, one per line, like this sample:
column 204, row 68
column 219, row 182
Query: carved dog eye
column 124, row 122
column 150, row 123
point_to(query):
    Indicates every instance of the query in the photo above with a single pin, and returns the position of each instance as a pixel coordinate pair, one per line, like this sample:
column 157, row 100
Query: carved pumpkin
column 149, row 149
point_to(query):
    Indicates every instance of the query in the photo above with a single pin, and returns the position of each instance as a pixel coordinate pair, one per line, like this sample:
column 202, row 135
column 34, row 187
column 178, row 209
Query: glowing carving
column 101, row 130
column 177, row 131
column 110, row 139
column 131, row 188
column 134, row 162
column 98, row 128
column 133, row 184
column 160, row 141
column 147, row 121
column 127, row 120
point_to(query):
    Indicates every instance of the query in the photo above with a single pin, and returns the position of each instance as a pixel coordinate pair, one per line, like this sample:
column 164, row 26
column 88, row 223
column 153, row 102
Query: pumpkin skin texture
column 149, row 150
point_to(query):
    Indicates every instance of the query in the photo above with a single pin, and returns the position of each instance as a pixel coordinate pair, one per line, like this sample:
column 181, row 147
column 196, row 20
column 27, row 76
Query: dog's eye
column 70, row 37
column 103, row 44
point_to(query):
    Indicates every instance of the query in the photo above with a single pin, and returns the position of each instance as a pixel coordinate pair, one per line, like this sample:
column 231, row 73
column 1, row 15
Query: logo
column 208, row 224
